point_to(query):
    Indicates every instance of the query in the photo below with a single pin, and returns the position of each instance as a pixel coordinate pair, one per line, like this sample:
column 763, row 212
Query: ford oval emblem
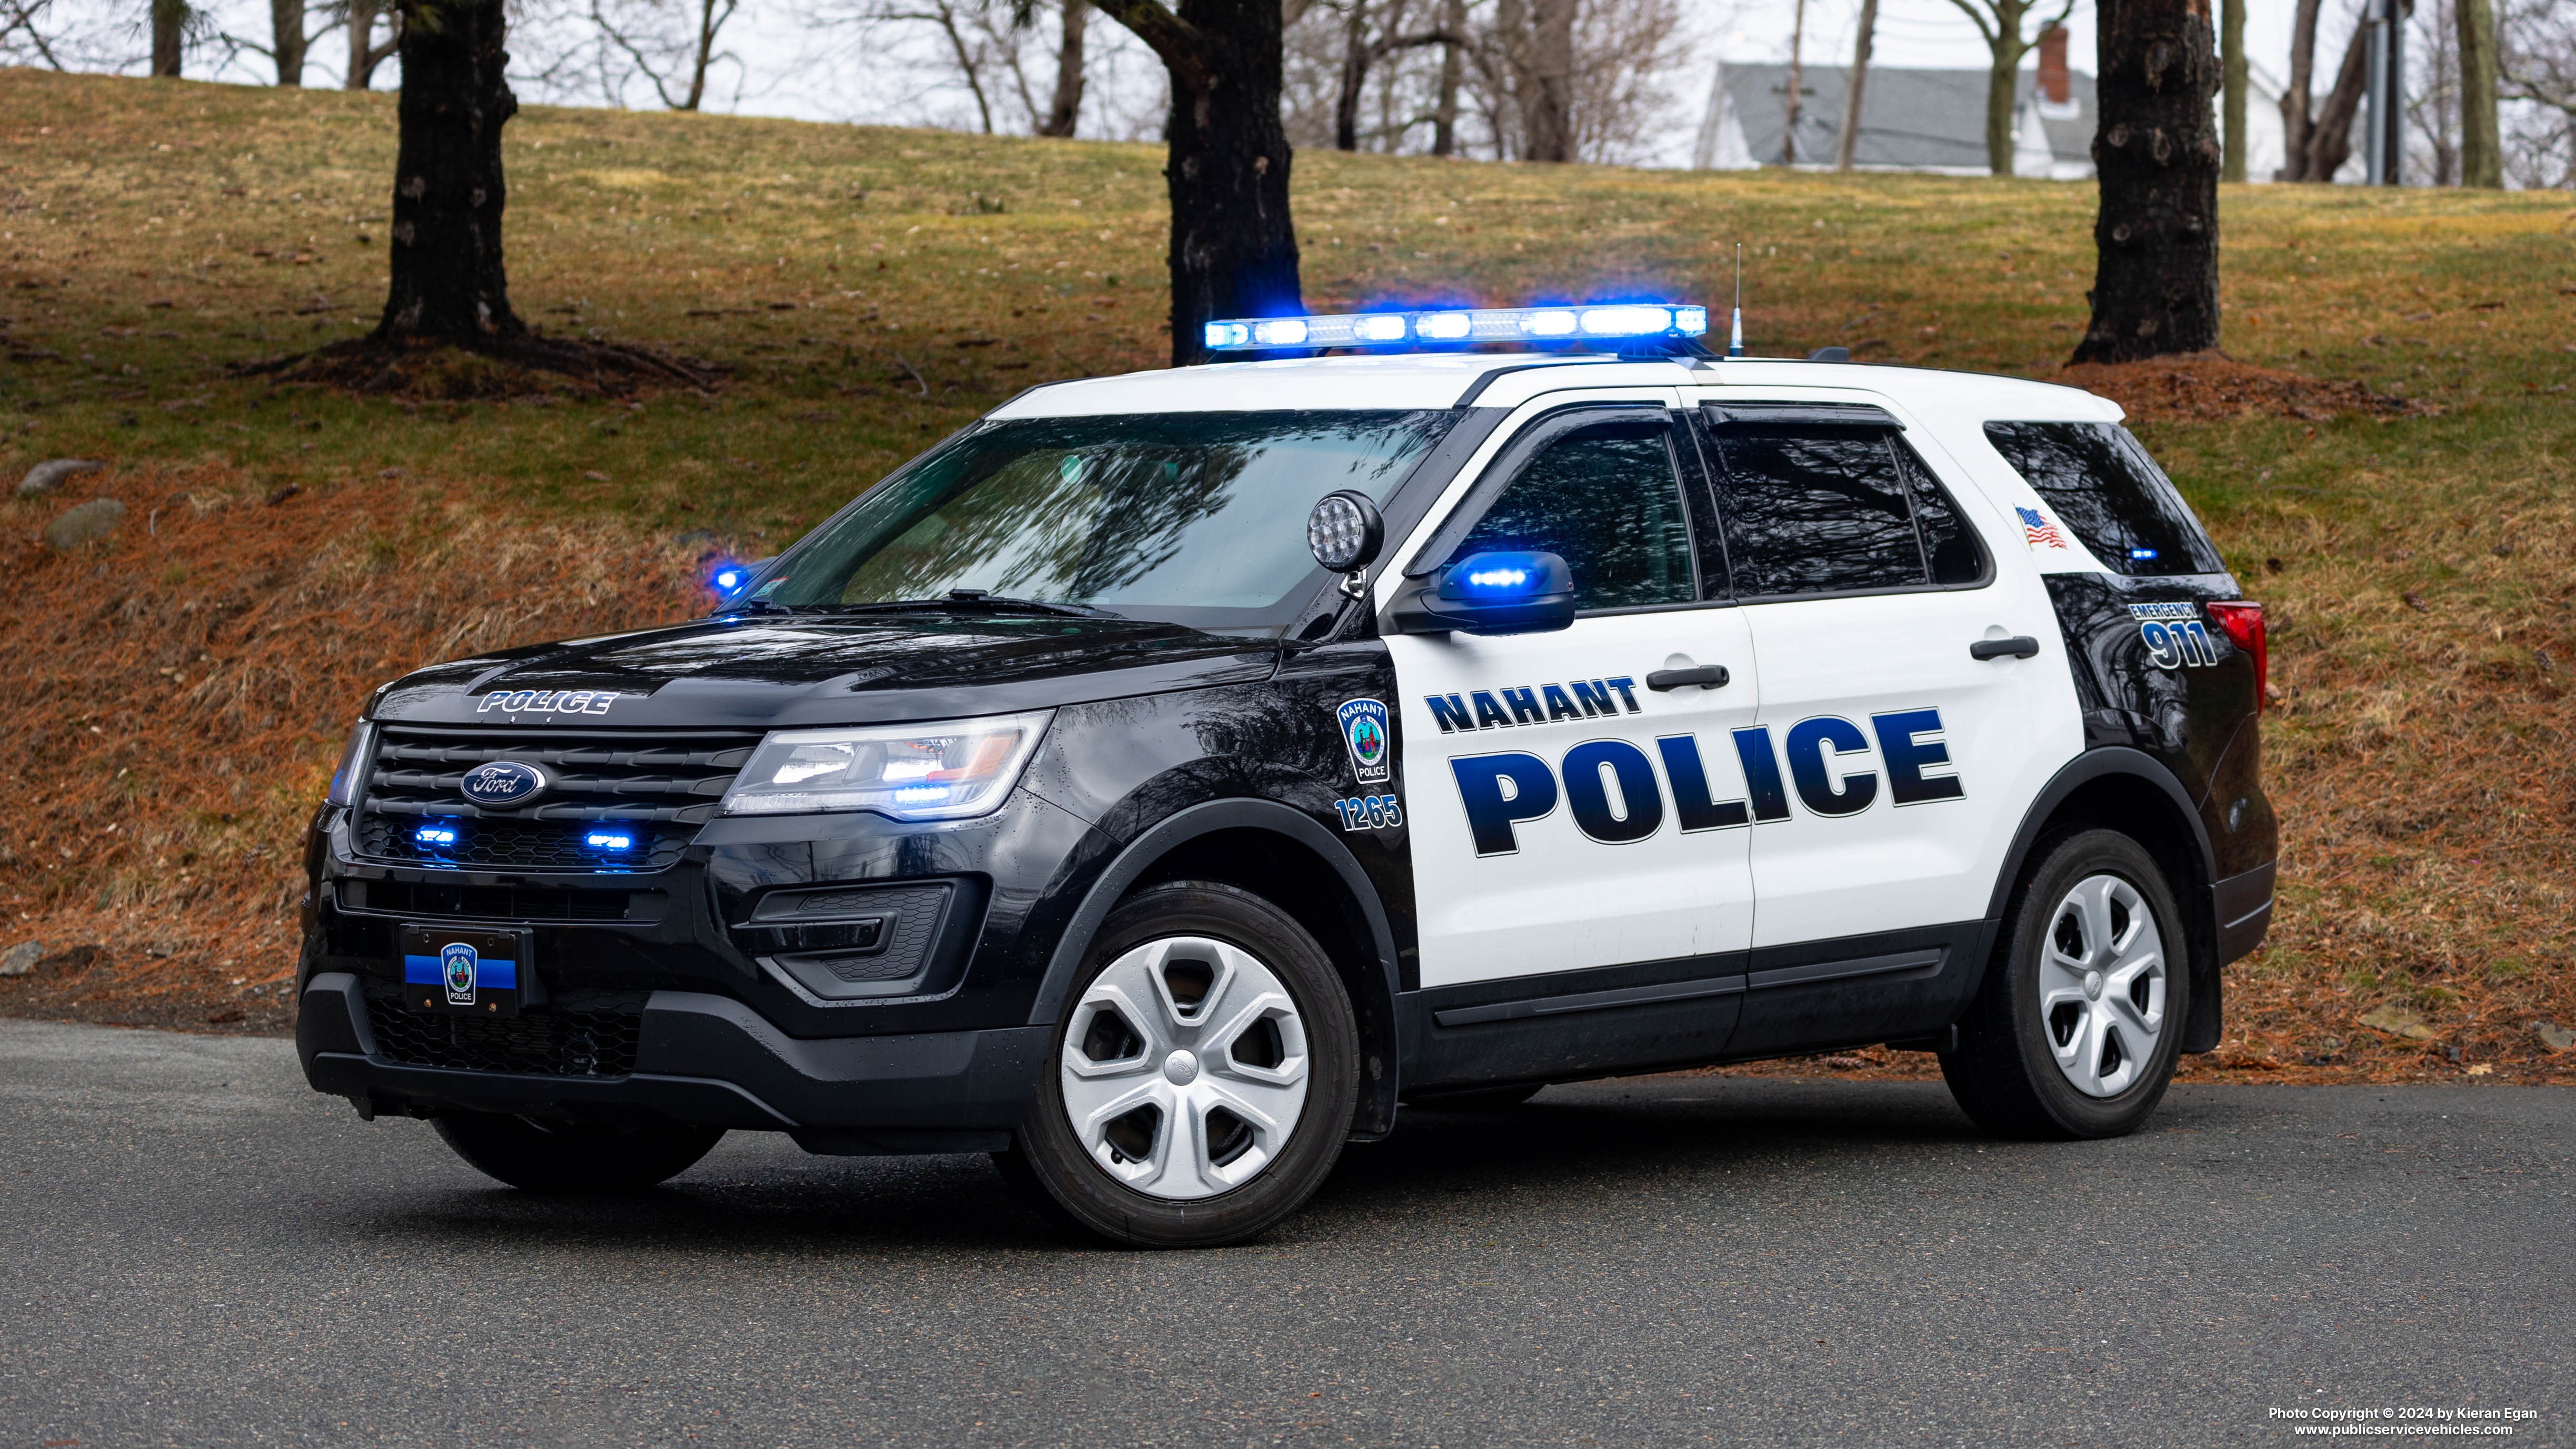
column 505, row 783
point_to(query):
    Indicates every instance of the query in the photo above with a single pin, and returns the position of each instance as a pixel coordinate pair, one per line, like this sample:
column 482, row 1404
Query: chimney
column 2053, row 85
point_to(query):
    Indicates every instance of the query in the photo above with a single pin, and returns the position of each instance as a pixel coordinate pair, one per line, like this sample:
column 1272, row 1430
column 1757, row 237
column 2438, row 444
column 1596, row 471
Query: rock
column 84, row 523
column 2398, row 1021
column 22, row 958
column 2556, row 1038
column 47, row 476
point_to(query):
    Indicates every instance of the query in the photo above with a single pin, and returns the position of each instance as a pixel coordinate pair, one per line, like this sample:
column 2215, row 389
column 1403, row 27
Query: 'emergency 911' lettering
column 1824, row 756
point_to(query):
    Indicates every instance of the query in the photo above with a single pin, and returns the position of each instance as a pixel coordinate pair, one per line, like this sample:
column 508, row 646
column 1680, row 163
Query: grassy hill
column 174, row 695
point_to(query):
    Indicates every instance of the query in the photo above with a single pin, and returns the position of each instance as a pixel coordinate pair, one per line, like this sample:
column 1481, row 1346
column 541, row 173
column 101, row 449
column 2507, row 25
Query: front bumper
column 713, row 1061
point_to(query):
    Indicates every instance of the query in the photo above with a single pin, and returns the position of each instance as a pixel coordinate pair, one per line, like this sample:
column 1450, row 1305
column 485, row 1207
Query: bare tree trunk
column 2231, row 105
column 448, row 282
column 2155, row 288
column 1067, row 109
column 969, row 68
column 1355, row 63
column 1849, row 140
column 2481, row 151
column 1234, row 247
column 1444, row 116
column 1512, row 41
column 708, row 22
column 1550, row 108
column 364, row 54
column 2002, row 84
column 2295, row 99
column 2330, row 138
column 1797, row 80
column 169, row 32
column 287, row 40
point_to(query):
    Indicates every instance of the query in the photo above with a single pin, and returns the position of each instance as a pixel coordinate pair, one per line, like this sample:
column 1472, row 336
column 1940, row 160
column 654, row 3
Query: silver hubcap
column 2102, row 986
column 1184, row 1068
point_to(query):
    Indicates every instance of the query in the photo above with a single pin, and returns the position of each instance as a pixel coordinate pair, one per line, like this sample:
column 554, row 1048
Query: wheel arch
column 1281, row 855
column 2130, row 791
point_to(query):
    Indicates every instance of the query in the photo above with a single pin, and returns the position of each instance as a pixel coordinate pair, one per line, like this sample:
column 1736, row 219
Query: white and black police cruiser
column 1162, row 780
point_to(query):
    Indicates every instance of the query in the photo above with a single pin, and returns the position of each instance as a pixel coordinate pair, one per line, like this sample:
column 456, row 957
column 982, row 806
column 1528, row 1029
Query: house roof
column 1911, row 119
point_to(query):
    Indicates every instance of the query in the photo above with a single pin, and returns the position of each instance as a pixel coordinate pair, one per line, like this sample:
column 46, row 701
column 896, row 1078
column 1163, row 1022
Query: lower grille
column 498, row 903
column 581, row 1034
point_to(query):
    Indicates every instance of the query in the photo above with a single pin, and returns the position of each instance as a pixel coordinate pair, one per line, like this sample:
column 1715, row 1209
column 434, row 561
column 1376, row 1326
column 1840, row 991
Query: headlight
column 353, row 763
column 946, row 771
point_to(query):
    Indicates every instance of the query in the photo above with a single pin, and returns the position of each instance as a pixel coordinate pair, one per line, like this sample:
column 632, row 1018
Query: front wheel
column 1204, row 1074
column 2078, row 1025
column 564, row 1157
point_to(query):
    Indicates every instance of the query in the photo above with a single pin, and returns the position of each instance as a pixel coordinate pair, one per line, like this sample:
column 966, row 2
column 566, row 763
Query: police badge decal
column 1364, row 732
column 456, row 963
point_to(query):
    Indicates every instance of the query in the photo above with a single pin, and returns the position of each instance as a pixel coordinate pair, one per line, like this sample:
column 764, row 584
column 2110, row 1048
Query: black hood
column 771, row 672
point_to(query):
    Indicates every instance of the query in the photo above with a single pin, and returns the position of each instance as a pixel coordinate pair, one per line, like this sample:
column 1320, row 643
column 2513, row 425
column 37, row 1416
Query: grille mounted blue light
column 434, row 835
column 1620, row 321
column 609, row 840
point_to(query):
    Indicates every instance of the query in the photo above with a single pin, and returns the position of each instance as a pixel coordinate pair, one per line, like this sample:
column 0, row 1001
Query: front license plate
column 445, row 969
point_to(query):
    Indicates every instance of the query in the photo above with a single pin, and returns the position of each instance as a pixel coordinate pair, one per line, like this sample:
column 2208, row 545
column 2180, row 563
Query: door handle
column 1714, row 676
column 2020, row 646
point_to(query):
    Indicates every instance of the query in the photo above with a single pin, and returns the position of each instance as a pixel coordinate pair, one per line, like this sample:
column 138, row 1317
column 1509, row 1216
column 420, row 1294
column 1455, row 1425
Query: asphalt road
column 197, row 1250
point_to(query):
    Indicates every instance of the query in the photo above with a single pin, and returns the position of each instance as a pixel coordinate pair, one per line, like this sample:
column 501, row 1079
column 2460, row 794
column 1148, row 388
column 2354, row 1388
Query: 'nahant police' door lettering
column 1616, row 798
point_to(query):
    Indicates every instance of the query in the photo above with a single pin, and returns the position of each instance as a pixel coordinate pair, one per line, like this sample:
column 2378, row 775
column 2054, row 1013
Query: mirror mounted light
column 1493, row 593
column 1345, row 532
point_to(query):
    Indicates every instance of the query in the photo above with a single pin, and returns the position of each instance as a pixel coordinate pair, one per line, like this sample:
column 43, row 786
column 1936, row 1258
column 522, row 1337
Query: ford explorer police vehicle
column 1163, row 780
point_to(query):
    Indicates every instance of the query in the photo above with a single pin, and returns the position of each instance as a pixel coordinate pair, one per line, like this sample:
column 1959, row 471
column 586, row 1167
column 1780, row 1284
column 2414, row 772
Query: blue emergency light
column 1609, row 322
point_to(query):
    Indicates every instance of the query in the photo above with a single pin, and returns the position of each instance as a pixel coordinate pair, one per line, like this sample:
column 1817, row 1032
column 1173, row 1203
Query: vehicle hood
column 771, row 672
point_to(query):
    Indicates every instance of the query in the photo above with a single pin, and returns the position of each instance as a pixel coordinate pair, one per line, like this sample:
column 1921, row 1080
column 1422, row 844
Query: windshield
column 1189, row 518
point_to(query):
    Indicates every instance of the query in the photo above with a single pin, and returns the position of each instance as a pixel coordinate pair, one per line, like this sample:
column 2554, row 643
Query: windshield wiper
column 975, row 601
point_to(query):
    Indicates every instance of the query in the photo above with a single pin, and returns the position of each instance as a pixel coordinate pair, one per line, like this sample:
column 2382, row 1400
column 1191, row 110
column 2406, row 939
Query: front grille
column 499, row 903
column 579, row 1034
column 655, row 786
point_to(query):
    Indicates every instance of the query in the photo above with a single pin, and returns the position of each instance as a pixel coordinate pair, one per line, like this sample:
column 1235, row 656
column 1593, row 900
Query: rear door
column 1579, row 843
column 1892, row 760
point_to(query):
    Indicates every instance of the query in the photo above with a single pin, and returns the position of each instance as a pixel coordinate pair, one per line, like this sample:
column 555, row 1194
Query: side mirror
column 1492, row 593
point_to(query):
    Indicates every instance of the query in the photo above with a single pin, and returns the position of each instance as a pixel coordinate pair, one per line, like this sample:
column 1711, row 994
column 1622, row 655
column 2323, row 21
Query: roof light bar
column 1458, row 325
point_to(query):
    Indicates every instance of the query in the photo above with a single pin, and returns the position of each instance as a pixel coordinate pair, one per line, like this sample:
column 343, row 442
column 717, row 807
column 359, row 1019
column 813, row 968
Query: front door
column 1567, row 815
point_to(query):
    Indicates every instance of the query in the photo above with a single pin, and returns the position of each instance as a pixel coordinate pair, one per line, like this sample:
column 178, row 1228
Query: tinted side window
column 2106, row 488
column 1606, row 500
column 1948, row 542
column 1814, row 513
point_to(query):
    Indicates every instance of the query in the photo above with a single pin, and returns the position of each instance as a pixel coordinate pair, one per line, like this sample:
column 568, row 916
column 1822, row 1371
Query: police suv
column 1162, row 780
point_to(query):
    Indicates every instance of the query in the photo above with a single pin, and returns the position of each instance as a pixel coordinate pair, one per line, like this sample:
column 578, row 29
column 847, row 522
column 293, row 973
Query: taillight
column 2242, row 621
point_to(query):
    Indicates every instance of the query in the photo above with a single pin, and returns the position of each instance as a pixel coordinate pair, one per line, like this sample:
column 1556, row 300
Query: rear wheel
column 1204, row 1075
column 2079, row 1023
column 564, row 1157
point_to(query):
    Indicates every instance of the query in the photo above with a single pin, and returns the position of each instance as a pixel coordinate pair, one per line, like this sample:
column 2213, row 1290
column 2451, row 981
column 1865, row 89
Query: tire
column 2075, row 1031
column 561, row 1157
column 1202, row 1079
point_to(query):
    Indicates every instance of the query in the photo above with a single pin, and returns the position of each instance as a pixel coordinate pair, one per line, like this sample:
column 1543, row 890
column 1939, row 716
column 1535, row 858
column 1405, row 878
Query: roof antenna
column 1735, row 333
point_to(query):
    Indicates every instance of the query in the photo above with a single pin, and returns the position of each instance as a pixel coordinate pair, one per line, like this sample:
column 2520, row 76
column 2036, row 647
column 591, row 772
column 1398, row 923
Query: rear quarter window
column 2101, row 483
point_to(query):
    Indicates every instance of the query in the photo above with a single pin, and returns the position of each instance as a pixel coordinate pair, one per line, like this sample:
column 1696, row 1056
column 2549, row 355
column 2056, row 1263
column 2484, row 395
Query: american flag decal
column 2037, row 531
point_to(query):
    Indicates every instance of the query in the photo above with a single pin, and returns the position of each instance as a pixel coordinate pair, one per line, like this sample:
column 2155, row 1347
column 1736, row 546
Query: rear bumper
column 2244, row 910
column 713, row 1061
